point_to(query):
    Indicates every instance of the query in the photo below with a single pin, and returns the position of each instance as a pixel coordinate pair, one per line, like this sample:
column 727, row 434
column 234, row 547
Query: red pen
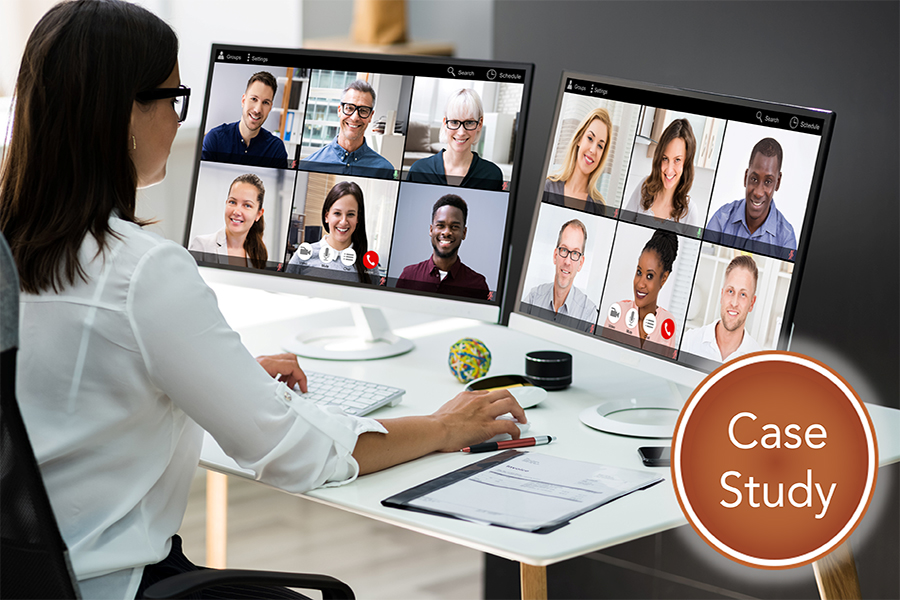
column 506, row 444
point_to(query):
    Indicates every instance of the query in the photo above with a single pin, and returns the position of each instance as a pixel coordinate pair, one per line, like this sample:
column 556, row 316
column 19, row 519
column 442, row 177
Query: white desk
column 428, row 383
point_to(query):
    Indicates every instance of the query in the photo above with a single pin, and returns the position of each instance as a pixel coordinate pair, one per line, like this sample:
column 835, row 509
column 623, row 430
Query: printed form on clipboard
column 523, row 490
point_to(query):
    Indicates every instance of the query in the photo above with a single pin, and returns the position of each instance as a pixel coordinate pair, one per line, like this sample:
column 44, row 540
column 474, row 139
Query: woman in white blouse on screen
column 665, row 192
column 124, row 356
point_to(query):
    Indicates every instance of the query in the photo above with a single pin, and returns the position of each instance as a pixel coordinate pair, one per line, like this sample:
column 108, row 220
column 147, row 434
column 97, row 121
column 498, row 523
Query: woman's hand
column 284, row 367
column 471, row 418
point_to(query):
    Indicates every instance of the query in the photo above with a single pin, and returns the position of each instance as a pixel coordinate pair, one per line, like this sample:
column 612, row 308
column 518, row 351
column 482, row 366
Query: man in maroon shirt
column 443, row 272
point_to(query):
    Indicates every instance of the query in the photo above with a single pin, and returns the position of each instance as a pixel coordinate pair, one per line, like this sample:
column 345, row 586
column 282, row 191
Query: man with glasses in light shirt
column 348, row 153
column 561, row 301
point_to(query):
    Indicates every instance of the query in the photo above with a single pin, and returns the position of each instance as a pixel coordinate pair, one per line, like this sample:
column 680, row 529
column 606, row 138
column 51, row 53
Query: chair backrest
column 34, row 558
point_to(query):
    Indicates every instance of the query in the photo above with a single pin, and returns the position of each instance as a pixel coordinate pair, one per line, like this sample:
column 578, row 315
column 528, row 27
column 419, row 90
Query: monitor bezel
column 679, row 372
column 377, row 296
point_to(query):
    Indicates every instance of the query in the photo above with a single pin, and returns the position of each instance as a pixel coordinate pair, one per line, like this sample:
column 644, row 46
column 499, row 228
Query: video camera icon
column 305, row 251
column 615, row 313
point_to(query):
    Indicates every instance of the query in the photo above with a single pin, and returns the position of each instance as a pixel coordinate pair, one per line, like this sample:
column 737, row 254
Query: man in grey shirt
column 561, row 301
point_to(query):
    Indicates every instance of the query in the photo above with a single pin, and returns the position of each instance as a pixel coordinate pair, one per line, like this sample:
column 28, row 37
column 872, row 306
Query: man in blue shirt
column 246, row 141
column 754, row 223
column 348, row 153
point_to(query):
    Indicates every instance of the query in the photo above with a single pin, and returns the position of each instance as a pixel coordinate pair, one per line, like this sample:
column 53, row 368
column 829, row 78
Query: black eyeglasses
column 575, row 255
column 349, row 109
column 180, row 106
column 467, row 125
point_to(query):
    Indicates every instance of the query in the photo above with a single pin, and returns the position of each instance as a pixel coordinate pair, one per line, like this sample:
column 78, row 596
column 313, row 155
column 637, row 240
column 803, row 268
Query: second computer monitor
column 672, row 226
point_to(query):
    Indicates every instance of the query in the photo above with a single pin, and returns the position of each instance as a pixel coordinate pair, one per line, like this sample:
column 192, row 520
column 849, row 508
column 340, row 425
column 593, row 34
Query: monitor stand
column 371, row 338
column 653, row 416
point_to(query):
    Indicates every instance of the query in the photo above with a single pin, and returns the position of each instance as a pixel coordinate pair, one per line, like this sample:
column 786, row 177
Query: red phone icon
column 668, row 329
column 370, row 259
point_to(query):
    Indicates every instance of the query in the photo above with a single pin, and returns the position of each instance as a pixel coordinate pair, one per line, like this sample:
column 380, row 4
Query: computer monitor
column 672, row 226
column 375, row 179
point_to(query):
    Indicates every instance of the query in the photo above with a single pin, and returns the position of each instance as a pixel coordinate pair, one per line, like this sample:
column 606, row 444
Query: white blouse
column 117, row 378
column 692, row 218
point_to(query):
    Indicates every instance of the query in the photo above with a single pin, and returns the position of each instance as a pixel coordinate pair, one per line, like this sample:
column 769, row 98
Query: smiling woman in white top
column 241, row 238
column 141, row 360
column 341, row 253
column 664, row 193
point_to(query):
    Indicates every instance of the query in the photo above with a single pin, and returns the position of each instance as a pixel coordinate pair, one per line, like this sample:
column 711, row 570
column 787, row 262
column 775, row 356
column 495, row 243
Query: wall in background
column 17, row 19
column 467, row 24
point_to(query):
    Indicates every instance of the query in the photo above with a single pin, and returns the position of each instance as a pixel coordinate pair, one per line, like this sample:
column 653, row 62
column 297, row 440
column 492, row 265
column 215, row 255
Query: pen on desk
column 506, row 444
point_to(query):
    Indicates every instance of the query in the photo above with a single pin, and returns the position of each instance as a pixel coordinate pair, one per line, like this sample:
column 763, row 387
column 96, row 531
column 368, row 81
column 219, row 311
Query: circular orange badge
column 774, row 460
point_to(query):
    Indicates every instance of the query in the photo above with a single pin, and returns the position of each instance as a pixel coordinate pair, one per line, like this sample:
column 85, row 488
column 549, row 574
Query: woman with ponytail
column 240, row 241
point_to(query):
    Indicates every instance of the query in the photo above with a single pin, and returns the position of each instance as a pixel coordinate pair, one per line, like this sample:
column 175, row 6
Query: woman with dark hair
column 339, row 255
column 240, row 241
column 664, row 193
column 141, row 359
column 643, row 317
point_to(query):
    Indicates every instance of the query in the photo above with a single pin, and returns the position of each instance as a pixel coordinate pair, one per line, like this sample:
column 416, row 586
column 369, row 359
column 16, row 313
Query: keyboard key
column 353, row 396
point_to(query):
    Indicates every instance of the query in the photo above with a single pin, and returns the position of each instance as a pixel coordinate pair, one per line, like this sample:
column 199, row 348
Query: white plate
column 633, row 417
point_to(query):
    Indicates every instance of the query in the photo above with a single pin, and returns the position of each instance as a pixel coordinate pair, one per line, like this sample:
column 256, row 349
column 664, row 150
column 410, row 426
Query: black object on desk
column 549, row 369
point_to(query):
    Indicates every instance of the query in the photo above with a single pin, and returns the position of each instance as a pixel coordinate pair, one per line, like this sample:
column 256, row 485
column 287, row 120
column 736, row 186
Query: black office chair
column 34, row 558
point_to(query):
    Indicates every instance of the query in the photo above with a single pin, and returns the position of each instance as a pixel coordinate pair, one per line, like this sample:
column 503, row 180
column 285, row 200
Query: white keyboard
column 355, row 397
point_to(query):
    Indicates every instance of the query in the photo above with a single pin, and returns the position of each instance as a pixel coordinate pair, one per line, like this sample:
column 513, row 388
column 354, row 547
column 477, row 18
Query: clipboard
column 489, row 469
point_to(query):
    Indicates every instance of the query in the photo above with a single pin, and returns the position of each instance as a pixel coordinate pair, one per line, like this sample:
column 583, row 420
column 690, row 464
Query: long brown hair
column 67, row 167
column 359, row 238
column 253, row 243
column 568, row 167
column 679, row 128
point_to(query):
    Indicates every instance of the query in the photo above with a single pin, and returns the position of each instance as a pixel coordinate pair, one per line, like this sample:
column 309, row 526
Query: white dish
column 633, row 417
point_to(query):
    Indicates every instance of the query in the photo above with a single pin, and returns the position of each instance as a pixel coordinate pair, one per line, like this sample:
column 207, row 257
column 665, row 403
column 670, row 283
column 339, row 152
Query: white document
column 533, row 490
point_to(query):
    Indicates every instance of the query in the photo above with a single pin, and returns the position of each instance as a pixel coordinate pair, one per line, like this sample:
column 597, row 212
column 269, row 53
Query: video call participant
column 583, row 164
column 344, row 220
column 568, row 304
column 348, row 153
column 458, row 164
column 726, row 338
column 754, row 223
column 443, row 272
column 125, row 314
column 240, row 242
column 247, row 141
column 653, row 269
column 664, row 193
